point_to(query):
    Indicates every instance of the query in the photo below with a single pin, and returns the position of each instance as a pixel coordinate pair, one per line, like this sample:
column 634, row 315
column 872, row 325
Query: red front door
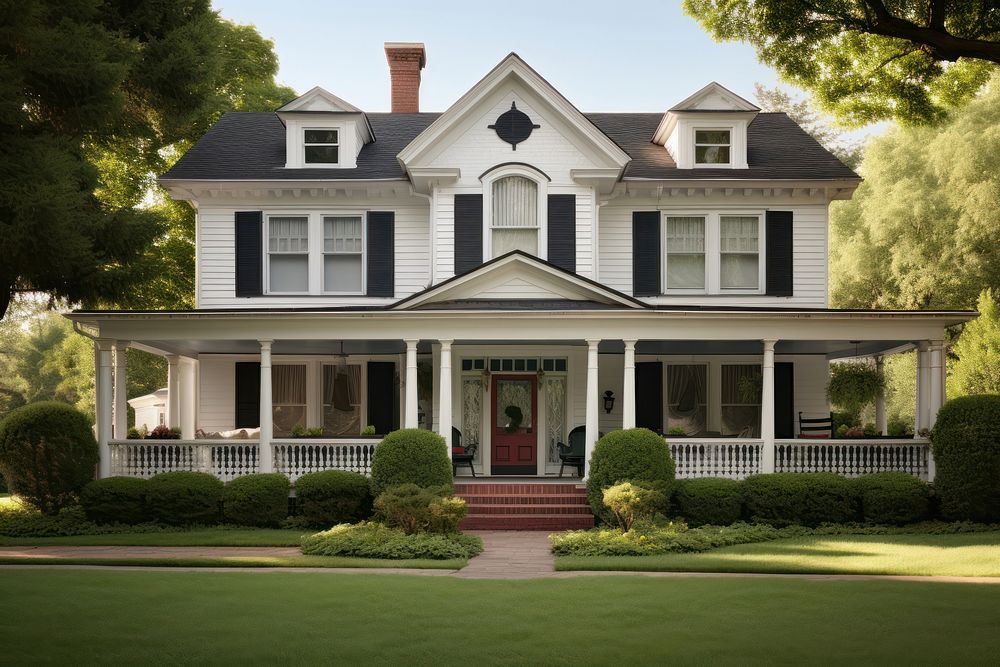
column 514, row 430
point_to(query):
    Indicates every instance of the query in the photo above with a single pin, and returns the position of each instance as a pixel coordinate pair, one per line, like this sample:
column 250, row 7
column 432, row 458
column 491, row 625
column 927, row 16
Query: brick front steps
column 516, row 506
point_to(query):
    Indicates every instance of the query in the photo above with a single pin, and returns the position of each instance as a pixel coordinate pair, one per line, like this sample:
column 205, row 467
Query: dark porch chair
column 573, row 454
column 461, row 455
column 821, row 427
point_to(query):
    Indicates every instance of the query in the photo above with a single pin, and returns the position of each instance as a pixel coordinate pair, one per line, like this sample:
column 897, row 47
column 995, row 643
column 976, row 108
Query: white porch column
column 173, row 390
column 120, row 411
column 767, row 407
column 103, row 407
column 410, row 413
column 628, row 388
column 444, row 408
column 593, row 417
column 188, row 393
column 265, row 455
column 923, row 391
column 880, row 422
column 936, row 381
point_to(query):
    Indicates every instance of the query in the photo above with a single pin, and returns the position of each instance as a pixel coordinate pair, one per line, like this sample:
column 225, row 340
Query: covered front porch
column 726, row 388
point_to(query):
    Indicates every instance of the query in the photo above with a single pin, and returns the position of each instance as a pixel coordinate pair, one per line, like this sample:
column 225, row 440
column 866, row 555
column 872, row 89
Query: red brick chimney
column 406, row 59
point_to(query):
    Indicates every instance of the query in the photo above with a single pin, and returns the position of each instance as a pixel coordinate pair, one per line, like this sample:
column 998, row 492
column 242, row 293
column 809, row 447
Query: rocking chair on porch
column 461, row 455
column 574, row 454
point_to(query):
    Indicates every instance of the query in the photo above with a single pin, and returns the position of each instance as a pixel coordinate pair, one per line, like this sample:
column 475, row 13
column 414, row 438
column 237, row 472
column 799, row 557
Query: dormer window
column 322, row 147
column 712, row 146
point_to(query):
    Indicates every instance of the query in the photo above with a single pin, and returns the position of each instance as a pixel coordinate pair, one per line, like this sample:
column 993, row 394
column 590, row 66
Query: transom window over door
column 711, row 146
column 514, row 221
column 685, row 252
column 739, row 249
column 322, row 146
column 343, row 254
column 288, row 253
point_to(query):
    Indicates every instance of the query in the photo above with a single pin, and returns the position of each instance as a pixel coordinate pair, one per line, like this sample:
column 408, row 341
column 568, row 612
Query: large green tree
column 977, row 370
column 96, row 97
column 923, row 230
column 868, row 60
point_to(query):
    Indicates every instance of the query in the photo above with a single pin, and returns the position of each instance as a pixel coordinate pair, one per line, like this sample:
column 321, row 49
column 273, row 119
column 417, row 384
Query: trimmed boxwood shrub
column 411, row 456
column 634, row 455
column 806, row 499
column 181, row 498
column 330, row 497
column 115, row 500
column 709, row 500
column 47, row 454
column 893, row 498
column 256, row 500
column 966, row 444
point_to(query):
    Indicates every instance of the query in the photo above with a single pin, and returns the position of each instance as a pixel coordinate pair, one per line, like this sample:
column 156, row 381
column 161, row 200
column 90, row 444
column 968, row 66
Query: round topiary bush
column 804, row 499
column 181, row 498
column 115, row 500
column 410, row 456
column 712, row 501
column 893, row 498
column 333, row 496
column 966, row 445
column 256, row 500
column 47, row 454
column 634, row 455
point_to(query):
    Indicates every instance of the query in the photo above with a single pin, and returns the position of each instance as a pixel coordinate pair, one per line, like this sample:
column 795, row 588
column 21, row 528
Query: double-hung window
column 343, row 254
column 712, row 146
column 322, row 146
column 685, row 252
column 514, row 223
column 739, row 252
column 288, row 254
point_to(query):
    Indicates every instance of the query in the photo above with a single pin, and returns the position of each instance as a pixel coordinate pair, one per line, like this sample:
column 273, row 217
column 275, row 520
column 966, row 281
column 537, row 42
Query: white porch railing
column 225, row 459
column 852, row 458
column 298, row 456
column 715, row 457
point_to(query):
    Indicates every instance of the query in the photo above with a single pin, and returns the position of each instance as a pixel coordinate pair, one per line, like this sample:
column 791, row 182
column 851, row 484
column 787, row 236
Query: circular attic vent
column 513, row 126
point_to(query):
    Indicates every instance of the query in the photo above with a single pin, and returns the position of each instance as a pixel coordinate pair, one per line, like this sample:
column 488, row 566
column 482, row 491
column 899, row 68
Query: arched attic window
column 514, row 224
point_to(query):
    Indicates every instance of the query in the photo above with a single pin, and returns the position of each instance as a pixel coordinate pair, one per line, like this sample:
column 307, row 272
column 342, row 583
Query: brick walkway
column 511, row 555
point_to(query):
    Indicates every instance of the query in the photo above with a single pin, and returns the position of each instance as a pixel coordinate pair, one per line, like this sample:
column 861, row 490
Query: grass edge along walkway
column 317, row 562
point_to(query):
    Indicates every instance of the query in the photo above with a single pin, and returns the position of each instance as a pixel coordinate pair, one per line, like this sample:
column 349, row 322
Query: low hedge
column 332, row 497
column 893, row 498
column 375, row 540
column 966, row 444
column 182, row 498
column 256, row 500
column 411, row 456
column 805, row 499
column 116, row 500
column 709, row 500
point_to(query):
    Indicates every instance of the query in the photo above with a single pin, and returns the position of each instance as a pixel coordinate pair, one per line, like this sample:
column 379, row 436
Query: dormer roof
column 715, row 97
column 319, row 99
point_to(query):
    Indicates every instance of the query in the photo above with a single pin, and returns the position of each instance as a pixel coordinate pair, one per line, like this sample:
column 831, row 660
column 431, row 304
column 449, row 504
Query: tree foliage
column 868, row 60
column 922, row 231
column 96, row 97
column 977, row 370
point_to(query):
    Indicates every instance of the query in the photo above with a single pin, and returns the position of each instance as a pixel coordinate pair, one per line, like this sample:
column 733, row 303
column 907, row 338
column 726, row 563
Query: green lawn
column 964, row 555
column 202, row 537
column 120, row 617
column 248, row 561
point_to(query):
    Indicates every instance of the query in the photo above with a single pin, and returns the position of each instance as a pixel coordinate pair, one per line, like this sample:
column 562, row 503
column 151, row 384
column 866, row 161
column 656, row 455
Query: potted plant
column 300, row 431
column 162, row 432
column 853, row 386
column 677, row 432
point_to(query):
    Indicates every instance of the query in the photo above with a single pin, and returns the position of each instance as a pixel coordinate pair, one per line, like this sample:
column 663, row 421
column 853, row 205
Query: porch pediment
column 518, row 278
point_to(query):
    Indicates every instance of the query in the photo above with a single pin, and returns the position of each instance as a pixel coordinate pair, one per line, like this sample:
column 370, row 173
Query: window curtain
column 740, row 417
column 739, row 241
column 288, row 243
column 686, row 252
column 288, row 397
column 342, row 400
column 515, row 215
column 687, row 394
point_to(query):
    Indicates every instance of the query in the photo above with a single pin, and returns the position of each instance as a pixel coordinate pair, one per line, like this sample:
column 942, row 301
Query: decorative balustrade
column 852, row 458
column 225, row 459
column 296, row 457
column 715, row 457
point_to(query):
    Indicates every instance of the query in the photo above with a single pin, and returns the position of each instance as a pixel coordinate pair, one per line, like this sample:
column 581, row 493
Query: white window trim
column 364, row 251
column 267, row 250
column 339, row 145
column 531, row 174
column 694, row 146
column 713, row 251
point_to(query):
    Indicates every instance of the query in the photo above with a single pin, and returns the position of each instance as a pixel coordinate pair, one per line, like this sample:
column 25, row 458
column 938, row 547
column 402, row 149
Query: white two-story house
column 503, row 273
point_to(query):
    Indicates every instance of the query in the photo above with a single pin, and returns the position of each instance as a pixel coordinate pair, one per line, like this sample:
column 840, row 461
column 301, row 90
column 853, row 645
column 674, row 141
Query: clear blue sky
column 603, row 56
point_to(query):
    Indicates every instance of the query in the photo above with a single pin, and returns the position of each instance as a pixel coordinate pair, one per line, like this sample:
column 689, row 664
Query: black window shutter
column 645, row 253
column 249, row 253
column 247, row 394
column 381, row 253
column 562, row 231
column 468, row 232
column 784, row 399
column 778, row 274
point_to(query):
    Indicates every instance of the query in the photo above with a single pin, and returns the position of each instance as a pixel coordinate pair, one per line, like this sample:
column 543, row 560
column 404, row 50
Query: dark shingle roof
column 251, row 146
